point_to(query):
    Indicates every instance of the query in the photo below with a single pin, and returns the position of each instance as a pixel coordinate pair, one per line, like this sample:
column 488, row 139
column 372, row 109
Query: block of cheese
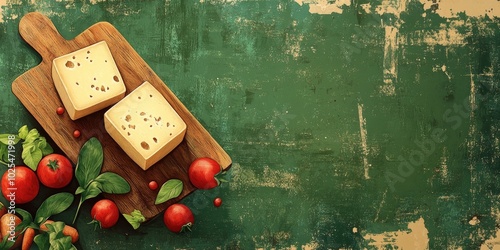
column 145, row 125
column 87, row 80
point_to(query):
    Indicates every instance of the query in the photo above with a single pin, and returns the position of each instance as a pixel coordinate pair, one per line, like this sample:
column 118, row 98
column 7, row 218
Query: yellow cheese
column 145, row 125
column 87, row 80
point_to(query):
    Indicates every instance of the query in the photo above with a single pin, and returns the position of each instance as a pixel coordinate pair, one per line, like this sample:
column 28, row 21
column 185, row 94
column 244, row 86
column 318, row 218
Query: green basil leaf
column 31, row 155
column 112, row 183
column 42, row 241
column 93, row 190
column 23, row 132
column 79, row 190
column 89, row 162
column 135, row 218
column 169, row 190
column 27, row 219
column 32, row 136
column 53, row 205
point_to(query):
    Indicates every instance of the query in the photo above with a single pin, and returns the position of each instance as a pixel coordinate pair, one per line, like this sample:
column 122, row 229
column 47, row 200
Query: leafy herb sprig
column 34, row 147
column 53, row 205
column 135, row 218
column 87, row 172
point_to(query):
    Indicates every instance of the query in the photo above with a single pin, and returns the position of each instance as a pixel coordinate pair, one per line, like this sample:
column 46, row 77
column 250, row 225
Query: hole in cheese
column 74, row 57
column 145, row 119
column 155, row 140
column 116, row 78
column 88, row 51
column 128, row 133
column 139, row 97
column 128, row 118
column 131, row 126
column 90, row 96
column 77, row 83
column 70, row 64
column 142, row 113
column 123, row 127
column 145, row 145
column 103, row 89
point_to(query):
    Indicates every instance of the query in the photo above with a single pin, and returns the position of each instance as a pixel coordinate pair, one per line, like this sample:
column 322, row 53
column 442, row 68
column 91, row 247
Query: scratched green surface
column 297, row 100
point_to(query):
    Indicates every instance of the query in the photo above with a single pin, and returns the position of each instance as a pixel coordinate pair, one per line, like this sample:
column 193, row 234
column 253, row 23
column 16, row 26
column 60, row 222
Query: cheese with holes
column 145, row 125
column 87, row 80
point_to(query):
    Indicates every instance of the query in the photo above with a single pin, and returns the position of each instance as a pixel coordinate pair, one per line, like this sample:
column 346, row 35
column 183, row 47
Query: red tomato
column 20, row 185
column 178, row 218
column 76, row 133
column 105, row 212
column 202, row 173
column 55, row 171
column 60, row 110
column 217, row 202
column 153, row 185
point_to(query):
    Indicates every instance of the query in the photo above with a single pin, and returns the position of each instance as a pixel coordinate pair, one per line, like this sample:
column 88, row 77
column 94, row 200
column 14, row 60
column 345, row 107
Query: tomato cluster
column 203, row 174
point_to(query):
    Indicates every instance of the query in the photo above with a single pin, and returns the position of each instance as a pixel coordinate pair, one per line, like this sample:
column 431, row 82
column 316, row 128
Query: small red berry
column 153, row 185
column 217, row 202
column 60, row 110
column 76, row 133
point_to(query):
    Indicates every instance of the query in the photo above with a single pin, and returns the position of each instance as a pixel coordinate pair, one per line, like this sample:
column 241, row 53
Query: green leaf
column 93, row 190
column 79, row 190
column 6, row 243
column 4, row 155
column 135, row 218
column 89, row 162
column 112, row 183
column 32, row 136
column 31, row 156
column 7, row 139
column 23, row 132
column 169, row 190
column 42, row 241
column 56, row 239
column 44, row 146
column 27, row 219
column 53, row 205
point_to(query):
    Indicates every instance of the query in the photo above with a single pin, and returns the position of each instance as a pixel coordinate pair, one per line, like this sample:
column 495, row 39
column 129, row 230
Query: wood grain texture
column 37, row 93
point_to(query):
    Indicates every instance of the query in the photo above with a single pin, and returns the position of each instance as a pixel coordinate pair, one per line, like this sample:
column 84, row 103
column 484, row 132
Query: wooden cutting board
column 36, row 91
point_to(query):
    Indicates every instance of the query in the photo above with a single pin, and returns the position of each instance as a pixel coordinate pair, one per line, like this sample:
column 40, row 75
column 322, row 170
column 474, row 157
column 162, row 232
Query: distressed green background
column 328, row 147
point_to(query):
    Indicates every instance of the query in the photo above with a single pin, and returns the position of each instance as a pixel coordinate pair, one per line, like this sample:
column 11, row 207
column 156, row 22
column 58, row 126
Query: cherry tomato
column 105, row 212
column 76, row 133
column 202, row 172
column 178, row 218
column 60, row 110
column 153, row 185
column 20, row 185
column 217, row 202
column 55, row 171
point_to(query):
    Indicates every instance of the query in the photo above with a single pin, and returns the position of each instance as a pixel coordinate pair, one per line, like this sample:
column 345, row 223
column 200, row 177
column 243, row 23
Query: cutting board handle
column 39, row 32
